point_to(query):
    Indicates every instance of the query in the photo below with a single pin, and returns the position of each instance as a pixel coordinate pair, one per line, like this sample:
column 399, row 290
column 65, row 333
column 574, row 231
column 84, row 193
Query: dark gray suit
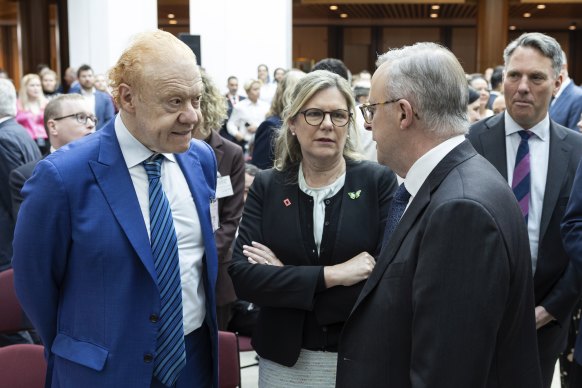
column 450, row 301
column 556, row 284
column 16, row 181
column 16, row 149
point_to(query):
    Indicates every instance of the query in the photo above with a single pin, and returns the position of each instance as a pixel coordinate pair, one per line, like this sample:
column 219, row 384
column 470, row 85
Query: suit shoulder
column 231, row 147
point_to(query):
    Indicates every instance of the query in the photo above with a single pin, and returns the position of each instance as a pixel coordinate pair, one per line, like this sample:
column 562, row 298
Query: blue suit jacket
column 84, row 271
column 104, row 109
column 567, row 108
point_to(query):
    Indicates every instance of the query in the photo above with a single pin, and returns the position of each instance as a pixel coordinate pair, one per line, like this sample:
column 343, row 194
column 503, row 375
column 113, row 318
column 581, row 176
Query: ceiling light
column 436, row 6
column 527, row 15
column 171, row 16
column 173, row 21
column 541, row 6
column 333, row 7
column 434, row 15
column 343, row 15
column 512, row 28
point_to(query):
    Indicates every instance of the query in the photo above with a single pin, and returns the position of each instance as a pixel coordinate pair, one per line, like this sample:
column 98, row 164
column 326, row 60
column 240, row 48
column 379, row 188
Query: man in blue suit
column 110, row 309
column 104, row 109
column 566, row 108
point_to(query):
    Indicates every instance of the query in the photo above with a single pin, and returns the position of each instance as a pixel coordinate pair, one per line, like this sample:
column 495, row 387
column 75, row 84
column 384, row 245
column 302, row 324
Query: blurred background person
column 499, row 104
column 31, row 104
column 306, row 272
column 67, row 117
column 473, row 107
column 264, row 147
column 16, row 149
column 232, row 98
column 267, row 87
column 278, row 74
column 50, row 83
column 566, row 107
column 69, row 80
column 480, row 84
column 229, row 191
column 496, row 83
column 247, row 115
column 102, row 102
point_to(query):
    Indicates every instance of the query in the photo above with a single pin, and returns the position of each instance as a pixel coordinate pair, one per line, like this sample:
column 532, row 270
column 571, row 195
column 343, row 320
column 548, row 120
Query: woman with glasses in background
column 310, row 230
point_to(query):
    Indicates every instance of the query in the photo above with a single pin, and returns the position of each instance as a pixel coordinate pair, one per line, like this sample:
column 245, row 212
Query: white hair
column 7, row 98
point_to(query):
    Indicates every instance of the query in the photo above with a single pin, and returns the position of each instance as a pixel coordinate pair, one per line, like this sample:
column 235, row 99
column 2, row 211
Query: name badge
column 214, row 214
column 223, row 187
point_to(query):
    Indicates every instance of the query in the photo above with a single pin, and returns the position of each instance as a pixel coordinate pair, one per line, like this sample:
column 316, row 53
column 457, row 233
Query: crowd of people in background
column 271, row 127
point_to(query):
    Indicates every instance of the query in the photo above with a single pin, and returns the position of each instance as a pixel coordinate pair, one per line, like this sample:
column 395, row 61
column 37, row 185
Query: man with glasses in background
column 67, row 117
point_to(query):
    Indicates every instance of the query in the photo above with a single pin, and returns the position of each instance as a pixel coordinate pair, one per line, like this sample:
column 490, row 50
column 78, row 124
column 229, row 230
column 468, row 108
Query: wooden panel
column 394, row 37
column 309, row 43
column 463, row 46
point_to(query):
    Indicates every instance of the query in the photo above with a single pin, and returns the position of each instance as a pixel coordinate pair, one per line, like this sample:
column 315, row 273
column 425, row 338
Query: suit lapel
column 113, row 178
column 557, row 161
column 493, row 143
column 415, row 210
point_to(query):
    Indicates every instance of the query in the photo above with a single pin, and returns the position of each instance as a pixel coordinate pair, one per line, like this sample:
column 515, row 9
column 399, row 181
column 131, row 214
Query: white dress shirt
column 422, row 168
column 184, row 214
column 539, row 151
column 89, row 96
column 246, row 112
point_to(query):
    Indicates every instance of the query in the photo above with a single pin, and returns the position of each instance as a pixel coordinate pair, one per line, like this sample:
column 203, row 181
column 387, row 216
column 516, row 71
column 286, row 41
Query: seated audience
column 48, row 79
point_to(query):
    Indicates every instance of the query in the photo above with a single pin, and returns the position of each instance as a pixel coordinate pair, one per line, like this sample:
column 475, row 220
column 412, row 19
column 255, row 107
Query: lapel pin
column 355, row 195
column 287, row 202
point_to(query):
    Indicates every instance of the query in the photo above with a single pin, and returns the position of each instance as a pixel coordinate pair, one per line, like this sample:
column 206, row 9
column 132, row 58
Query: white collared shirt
column 89, row 96
column 422, row 168
column 539, row 151
column 184, row 214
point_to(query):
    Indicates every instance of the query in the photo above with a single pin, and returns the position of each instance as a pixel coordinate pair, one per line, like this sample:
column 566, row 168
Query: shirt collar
column 422, row 168
column 541, row 129
column 133, row 151
column 88, row 93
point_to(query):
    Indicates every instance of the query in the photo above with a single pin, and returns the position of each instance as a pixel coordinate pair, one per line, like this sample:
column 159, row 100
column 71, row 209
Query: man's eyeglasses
column 368, row 110
column 314, row 117
column 80, row 117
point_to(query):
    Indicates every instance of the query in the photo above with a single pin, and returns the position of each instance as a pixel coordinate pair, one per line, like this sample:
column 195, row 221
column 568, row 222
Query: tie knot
column 525, row 135
column 153, row 166
column 402, row 195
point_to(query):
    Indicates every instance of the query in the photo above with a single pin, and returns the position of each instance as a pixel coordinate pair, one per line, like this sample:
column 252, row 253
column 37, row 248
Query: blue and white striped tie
column 171, row 355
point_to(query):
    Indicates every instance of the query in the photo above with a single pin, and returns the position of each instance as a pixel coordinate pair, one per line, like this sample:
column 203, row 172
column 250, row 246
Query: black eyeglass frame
column 350, row 114
column 366, row 108
column 76, row 115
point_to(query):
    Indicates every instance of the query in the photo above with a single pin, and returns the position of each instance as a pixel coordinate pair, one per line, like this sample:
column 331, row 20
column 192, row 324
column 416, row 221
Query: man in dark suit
column 232, row 98
column 16, row 149
column 104, row 109
column 67, row 117
column 566, row 108
column 118, row 273
column 532, row 76
column 450, row 301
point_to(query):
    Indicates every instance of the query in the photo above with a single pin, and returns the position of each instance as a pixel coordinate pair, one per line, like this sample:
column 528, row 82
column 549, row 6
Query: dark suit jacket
column 450, row 302
column 104, row 109
column 83, row 266
column 572, row 236
column 289, row 295
column 16, row 181
column 556, row 284
column 567, row 108
column 230, row 161
column 16, row 149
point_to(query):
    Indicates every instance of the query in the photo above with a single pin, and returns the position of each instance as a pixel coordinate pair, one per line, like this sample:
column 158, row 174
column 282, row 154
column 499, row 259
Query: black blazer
column 16, row 181
column 556, row 283
column 292, row 294
column 450, row 302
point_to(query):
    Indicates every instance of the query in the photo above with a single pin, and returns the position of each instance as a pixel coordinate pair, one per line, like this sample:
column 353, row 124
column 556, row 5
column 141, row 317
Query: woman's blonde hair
column 287, row 147
column 23, row 93
column 212, row 106
column 285, row 88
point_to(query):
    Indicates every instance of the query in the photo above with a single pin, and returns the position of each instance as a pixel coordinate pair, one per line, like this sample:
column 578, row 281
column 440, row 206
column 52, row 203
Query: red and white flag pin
column 287, row 202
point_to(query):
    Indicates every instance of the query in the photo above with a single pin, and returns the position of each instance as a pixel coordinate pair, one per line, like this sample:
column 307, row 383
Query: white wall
column 99, row 30
column 236, row 36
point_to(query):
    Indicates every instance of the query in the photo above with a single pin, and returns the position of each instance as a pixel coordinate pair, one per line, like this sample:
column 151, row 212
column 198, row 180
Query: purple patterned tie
column 521, row 174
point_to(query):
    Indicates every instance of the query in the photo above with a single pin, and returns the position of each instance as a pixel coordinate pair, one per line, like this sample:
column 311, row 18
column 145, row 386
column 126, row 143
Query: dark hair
column 473, row 95
column 230, row 78
column 496, row 77
column 83, row 68
column 334, row 65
